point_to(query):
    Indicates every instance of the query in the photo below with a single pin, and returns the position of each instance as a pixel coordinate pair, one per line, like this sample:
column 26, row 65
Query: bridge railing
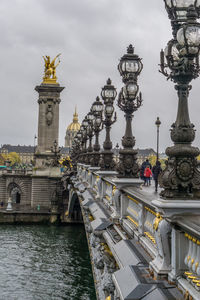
column 134, row 214
column 173, row 245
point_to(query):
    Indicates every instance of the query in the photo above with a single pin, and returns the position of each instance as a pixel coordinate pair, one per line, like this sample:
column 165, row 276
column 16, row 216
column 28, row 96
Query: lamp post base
column 107, row 162
column 128, row 166
column 95, row 158
column 88, row 158
column 181, row 177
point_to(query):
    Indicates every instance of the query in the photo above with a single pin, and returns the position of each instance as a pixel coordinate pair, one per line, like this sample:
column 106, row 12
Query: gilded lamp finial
column 50, row 69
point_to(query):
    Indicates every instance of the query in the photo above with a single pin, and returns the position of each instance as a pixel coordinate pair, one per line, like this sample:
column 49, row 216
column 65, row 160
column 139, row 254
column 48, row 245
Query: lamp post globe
column 130, row 64
column 188, row 36
column 97, row 107
column 108, row 92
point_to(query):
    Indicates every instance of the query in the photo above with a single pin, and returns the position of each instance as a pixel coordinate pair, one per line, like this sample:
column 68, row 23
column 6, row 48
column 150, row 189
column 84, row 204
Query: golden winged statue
column 50, row 69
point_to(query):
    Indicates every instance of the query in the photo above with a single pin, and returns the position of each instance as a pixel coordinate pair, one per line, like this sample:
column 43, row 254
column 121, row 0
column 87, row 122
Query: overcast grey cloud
column 92, row 36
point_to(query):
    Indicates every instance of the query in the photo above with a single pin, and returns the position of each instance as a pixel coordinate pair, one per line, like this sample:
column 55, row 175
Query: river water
column 44, row 263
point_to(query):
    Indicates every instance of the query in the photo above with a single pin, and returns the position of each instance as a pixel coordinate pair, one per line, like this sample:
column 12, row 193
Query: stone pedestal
column 171, row 208
column 48, row 122
column 124, row 182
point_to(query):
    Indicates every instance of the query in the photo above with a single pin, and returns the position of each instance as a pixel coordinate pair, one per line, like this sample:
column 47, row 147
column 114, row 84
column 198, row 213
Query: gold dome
column 75, row 125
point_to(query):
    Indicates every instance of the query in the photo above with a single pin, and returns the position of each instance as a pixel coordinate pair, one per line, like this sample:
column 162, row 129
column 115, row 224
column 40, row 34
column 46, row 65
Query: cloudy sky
column 92, row 35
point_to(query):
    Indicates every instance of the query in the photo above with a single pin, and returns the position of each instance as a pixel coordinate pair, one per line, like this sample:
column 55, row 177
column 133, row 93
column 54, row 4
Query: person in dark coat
column 156, row 171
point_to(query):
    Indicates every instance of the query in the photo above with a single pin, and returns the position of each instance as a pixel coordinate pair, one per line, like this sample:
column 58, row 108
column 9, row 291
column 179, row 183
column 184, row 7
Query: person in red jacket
column 147, row 175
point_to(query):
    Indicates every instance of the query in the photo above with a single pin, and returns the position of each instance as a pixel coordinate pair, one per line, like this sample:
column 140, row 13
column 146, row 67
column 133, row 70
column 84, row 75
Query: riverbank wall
column 16, row 217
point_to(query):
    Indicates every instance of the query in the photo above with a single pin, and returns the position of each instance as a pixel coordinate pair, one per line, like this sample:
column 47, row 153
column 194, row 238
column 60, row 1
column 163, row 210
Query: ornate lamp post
column 90, row 134
column 79, row 136
column 82, row 142
column 56, row 151
column 130, row 66
column 108, row 94
column 97, row 108
column 158, row 126
column 74, row 153
column 85, row 137
column 181, row 178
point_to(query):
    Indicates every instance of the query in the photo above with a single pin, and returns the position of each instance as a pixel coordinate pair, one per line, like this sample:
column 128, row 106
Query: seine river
column 44, row 263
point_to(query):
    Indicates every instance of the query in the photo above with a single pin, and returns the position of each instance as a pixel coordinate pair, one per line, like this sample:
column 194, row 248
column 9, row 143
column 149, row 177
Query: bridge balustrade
column 136, row 217
column 118, row 213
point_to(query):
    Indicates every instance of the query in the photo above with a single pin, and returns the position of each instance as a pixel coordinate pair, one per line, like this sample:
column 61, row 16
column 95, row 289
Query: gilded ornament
column 157, row 221
column 50, row 69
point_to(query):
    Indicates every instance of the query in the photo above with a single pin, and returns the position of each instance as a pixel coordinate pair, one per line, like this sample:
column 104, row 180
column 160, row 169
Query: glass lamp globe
column 188, row 37
column 98, row 121
column 109, row 110
column 82, row 127
column 108, row 91
column 172, row 52
column 97, row 106
column 90, row 116
column 85, row 122
column 79, row 135
column 130, row 63
column 131, row 89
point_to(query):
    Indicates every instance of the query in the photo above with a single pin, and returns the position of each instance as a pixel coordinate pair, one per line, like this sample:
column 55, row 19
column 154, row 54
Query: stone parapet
column 125, row 229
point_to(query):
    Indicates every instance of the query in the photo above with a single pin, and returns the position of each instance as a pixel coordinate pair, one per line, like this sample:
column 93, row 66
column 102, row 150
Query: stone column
column 48, row 122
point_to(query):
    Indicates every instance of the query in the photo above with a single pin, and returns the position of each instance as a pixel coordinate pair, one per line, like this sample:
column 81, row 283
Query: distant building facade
column 72, row 130
column 143, row 154
column 26, row 153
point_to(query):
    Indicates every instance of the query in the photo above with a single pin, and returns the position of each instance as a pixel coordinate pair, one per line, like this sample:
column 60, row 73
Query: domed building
column 72, row 130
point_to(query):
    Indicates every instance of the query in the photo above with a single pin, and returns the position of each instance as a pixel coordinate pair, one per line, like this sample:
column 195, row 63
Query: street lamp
column 108, row 95
column 157, row 123
column 129, row 101
column 79, row 137
column 56, row 151
column 97, row 109
column 85, row 137
column 181, row 177
column 82, row 143
column 90, row 134
column 75, row 152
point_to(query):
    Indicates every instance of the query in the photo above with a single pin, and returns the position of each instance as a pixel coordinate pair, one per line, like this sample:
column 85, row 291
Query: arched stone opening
column 14, row 193
column 74, row 210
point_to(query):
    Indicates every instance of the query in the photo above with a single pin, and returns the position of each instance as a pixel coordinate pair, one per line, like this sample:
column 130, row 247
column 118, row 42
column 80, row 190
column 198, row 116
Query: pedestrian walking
column 147, row 174
column 145, row 164
column 156, row 171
